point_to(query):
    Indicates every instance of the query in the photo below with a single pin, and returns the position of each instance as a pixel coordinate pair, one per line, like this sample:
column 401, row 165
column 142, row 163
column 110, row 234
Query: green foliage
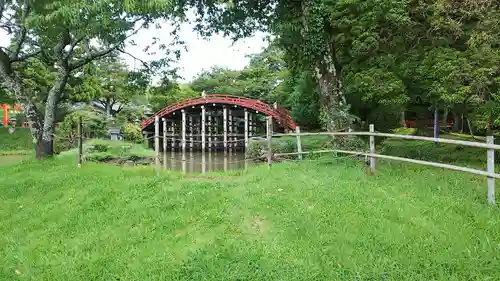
column 109, row 82
column 99, row 150
column 132, row 132
column 441, row 153
column 264, row 78
column 257, row 148
column 169, row 92
column 93, row 126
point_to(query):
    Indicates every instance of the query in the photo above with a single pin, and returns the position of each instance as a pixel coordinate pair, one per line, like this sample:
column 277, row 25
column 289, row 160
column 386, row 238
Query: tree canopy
column 332, row 63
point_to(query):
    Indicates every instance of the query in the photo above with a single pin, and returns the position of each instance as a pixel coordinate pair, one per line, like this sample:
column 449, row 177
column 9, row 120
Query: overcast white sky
column 201, row 54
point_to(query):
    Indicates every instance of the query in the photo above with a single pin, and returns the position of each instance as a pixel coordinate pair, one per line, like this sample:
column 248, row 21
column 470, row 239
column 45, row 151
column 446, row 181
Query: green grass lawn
column 19, row 142
column 295, row 222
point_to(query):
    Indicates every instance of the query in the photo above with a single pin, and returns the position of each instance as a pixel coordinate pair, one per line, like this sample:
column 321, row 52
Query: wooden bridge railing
column 489, row 146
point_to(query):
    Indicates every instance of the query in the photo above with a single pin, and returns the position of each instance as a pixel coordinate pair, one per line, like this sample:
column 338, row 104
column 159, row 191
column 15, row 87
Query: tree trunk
column 489, row 125
column 45, row 145
column 444, row 120
column 334, row 109
column 402, row 119
column 9, row 81
column 469, row 125
column 108, row 108
column 457, row 122
column 333, row 105
column 44, row 148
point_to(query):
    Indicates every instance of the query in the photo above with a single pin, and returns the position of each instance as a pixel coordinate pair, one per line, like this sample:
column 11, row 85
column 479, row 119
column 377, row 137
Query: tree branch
column 64, row 41
column 98, row 54
column 145, row 64
column 73, row 45
column 21, row 36
column 5, row 64
column 103, row 103
column 26, row 56
column 2, row 8
column 119, row 109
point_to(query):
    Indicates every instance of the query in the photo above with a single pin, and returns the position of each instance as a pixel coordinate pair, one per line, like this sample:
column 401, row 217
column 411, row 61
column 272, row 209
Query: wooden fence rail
column 489, row 145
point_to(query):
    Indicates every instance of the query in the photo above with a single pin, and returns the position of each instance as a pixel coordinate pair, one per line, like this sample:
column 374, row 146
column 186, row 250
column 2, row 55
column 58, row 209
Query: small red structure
column 429, row 123
column 6, row 109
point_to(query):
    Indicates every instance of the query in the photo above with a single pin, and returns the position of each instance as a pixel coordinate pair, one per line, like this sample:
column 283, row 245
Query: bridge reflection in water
column 199, row 162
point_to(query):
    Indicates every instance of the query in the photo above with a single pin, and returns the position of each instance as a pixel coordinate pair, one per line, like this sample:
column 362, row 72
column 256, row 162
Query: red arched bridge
column 216, row 121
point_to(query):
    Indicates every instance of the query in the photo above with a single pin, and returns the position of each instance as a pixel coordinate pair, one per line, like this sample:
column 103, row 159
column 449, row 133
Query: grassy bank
column 414, row 149
column 295, row 222
column 440, row 152
column 100, row 150
column 19, row 142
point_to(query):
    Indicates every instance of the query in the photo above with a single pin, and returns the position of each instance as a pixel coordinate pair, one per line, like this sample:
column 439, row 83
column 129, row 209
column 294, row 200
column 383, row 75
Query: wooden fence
column 489, row 146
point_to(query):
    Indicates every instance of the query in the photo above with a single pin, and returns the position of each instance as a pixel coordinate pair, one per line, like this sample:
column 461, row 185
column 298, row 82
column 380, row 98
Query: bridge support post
column 269, row 134
column 230, row 124
column 164, row 121
column 224, row 125
column 183, row 130
column 216, row 131
column 157, row 144
column 191, row 127
column 250, row 124
column 203, row 112
column 172, row 144
column 246, row 128
column 209, row 128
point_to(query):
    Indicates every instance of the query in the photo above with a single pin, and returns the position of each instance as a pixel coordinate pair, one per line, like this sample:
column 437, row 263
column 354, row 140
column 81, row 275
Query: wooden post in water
column 191, row 128
column 230, row 124
column 203, row 145
column 173, row 135
column 246, row 128
column 209, row 129
column 157, row 145
column 183, row 130
column 224, row 121
column 164, row 121
column 269, row 141
column 80, row 142
column 372, row 149
column 299, row 144
column 491, row 169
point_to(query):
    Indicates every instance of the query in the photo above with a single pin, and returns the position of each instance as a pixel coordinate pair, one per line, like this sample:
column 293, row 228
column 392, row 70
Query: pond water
column 198, row 162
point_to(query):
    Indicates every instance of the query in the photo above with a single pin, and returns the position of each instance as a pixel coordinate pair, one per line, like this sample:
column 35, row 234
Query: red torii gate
column 6, row 108
column 279, row 114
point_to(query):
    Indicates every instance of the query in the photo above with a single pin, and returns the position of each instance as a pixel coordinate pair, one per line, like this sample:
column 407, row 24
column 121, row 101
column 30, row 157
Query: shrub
column 118, row 151
column 257, row 148
column 132, row 132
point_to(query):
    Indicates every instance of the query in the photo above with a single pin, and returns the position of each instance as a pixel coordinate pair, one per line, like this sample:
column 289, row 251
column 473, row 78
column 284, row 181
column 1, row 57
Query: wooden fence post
column 372, row 149
column 164, row 121
column 269, row 141
column 299, row 144
column 491, row 169
column 80, row 142
column 157, row 145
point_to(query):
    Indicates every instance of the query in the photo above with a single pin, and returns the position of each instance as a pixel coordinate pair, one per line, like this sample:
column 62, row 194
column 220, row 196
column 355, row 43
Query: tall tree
column 63, row 35
column 112, row 85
